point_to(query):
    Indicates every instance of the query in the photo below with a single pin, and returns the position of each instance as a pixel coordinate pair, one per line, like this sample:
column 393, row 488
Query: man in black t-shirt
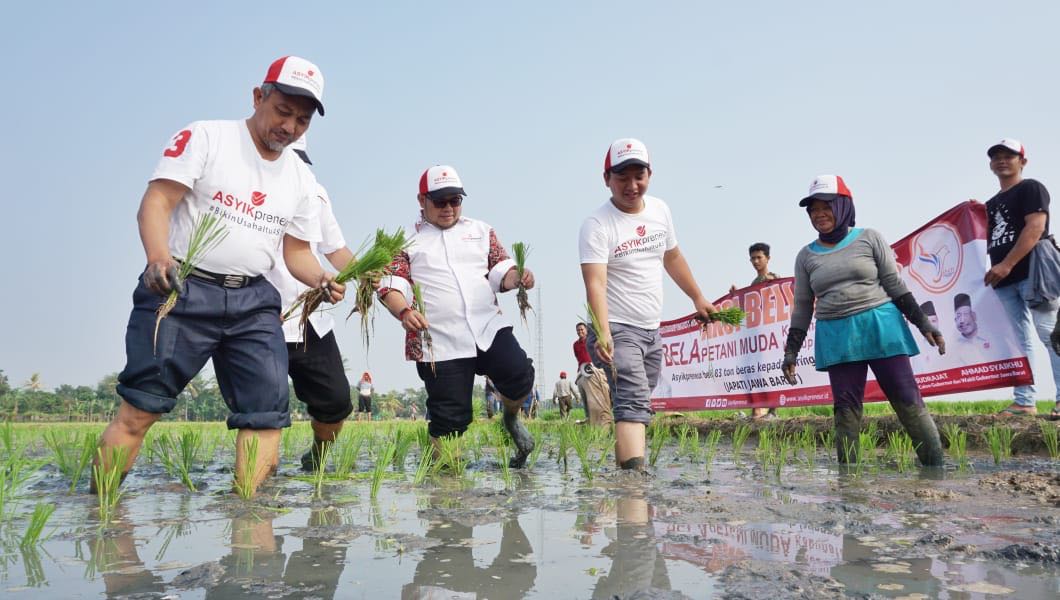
column 1018, row 216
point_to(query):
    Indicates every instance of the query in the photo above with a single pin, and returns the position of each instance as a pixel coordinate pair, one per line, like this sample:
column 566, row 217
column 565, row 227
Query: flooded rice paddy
column 773, row 519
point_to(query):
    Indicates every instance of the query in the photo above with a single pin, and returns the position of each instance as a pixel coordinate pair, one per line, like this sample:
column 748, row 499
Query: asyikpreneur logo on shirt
column 243, row 209
column 644, row 242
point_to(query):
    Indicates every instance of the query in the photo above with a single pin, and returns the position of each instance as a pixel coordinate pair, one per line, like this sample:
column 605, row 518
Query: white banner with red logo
column 943, row 263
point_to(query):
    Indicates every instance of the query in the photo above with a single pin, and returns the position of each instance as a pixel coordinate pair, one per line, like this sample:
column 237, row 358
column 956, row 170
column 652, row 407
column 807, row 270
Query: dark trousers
column 451, row 383
column 894, row 374
column 319, row 377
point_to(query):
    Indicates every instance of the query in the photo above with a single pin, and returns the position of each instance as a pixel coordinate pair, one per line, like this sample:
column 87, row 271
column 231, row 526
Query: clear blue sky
column 901, row 98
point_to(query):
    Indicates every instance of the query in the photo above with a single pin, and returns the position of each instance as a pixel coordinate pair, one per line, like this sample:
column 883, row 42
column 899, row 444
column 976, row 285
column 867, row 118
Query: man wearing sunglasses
column 460, row 267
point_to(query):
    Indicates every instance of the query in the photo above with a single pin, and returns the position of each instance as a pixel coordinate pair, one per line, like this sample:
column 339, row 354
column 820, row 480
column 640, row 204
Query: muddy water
column 737, row 530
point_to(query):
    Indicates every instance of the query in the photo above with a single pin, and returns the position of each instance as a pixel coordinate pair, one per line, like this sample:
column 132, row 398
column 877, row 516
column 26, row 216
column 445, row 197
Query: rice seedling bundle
column 958, row 444
column 244, row 484
column 710, row 447
column 108, row 475
column 387, row 246
column 321, row 467
column 425, row 335
column 504, row 454
column 900, row 448
column 598, row 331
column 370, row 265
column 520, row 252
column 209, row 231
column 733, row 315
column 1000, row 442
column 660, row 434
column 424, row 466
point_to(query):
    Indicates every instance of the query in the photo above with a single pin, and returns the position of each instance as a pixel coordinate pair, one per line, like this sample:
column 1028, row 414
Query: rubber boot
column 921, row 428
column 311, row 458
column 847, row 428
column 524, row 442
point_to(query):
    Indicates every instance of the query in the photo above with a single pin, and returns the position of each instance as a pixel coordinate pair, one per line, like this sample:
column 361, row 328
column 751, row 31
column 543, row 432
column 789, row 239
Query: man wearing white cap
column 1018, row 217
column 315, row 363
column 460, row 266
column 624, row 246
column 227, row 311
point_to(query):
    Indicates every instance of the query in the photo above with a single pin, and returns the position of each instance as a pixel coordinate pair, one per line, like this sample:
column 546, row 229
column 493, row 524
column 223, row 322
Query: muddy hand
column 935, row 339
column 524, row 442
column 161, row 277
column 334, row 291
column 788, row 368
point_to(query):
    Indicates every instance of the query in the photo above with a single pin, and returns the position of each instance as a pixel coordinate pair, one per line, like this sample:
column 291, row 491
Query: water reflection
column 257, row 565
column 448, row 570
column 113, row 555
column 636, row 563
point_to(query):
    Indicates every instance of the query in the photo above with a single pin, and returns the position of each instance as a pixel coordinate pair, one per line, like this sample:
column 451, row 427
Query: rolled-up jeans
column 1029, row 322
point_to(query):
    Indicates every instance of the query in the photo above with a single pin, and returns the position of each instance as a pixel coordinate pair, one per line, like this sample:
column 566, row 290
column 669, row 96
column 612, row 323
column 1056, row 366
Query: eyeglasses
column 452, row 202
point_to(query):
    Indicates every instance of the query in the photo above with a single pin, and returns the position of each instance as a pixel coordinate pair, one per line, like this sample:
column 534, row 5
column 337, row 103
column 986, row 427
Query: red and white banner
column 943, row 263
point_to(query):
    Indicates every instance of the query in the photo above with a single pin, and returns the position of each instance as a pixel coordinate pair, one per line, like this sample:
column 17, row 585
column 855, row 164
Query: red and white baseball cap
column 1015, row 146
column 626, row 152
column 296, row 76
column 826, row 187
column 440, row 181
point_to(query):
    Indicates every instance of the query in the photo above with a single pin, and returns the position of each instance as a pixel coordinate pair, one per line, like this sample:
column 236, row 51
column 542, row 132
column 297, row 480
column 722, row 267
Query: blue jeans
column 1028, row 321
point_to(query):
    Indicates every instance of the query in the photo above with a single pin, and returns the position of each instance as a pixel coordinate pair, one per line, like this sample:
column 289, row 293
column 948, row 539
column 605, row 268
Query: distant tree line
column 200, row 401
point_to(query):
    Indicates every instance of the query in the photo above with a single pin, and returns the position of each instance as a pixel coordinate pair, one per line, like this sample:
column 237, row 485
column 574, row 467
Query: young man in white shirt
column 624, row 247
column 241, row 172
column 460, row 267
column 315, row 363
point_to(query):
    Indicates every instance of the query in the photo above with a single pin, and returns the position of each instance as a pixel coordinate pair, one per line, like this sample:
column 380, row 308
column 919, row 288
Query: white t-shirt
column 258, row 200
column 364, row 388
column 632, row 247
column 290, row 288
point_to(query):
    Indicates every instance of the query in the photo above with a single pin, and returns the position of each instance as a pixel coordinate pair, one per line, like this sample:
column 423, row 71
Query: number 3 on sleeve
column 180, row 141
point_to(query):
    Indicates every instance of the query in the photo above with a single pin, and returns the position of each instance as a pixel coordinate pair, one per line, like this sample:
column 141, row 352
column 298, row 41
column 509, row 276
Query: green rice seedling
column 598, row 331
column 425, row 335
column 209, row 231
column 387, row 245
column 245, row 487
column 88, row 444
column 739, row 438
column 370, row 264
column 35, row 576
column 108, row 475
column 402, row 444
column 1000, row 441
column 379, row 469
column 319, row 473
column 687, row 441
column 957, row 441
column 345, row 458
column 900, row 449
column 710, row 447
column 807, row 442
column 867, row 447
column 424, row 466
column 582, row 443
column 733, row 315
column 767, row 445
column 423, row 438
column 827, row 438
column 452, row 455
column 519, row 252
column 659, row 436
column 539, row 439
column 189, row 446
column 564, row 445
column 41, row 513
column 504, row 454
column 784, row 448
column 1049, row 436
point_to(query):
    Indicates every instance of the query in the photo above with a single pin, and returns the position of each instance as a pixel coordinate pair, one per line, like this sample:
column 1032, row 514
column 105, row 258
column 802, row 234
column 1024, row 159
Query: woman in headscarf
column 850, row 274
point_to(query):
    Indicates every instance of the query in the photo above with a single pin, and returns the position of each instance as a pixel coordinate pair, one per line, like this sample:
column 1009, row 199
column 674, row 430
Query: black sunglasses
column 453, row 202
